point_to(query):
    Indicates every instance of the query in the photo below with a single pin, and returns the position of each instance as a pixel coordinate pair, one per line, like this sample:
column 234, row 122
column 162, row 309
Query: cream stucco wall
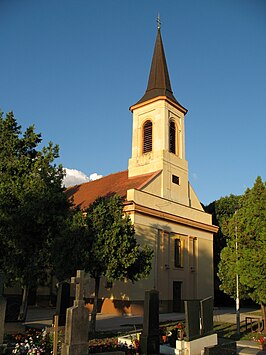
column 160, row 112
column 156, row 226
column 150, row 200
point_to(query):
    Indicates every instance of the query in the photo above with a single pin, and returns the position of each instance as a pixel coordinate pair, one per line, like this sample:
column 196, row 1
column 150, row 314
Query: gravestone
column 222, row 349
column 150, row 340
column 192, row 319
column 62, row 302
column 206, row 311
column 2, row 308
column 77, row 322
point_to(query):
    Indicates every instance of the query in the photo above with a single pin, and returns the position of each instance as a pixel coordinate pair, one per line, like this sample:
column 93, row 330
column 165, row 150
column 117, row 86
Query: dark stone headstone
column 2, row 308
column 206, row 310
column 150, row 339
column 13, row 308
column 63, row 302
column 225, row 349
column 192, row 317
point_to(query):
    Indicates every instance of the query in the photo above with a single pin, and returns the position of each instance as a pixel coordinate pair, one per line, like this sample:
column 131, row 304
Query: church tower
column 158, row 135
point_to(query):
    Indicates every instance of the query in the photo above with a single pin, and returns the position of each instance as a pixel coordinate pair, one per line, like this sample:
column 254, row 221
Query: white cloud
column 76, row 177
column 95, row 176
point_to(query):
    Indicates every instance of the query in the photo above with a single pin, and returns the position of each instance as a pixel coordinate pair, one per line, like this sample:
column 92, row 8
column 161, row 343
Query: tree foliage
column 33, row 205
column 247, row 230
column 114, row 252
column 222, row 211
column 70, row 250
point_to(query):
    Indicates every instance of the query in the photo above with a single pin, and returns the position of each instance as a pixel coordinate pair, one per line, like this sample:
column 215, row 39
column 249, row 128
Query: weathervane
column 158, row 21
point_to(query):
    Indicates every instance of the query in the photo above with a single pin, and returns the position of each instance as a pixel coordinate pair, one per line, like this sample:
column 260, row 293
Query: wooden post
column 55, row 342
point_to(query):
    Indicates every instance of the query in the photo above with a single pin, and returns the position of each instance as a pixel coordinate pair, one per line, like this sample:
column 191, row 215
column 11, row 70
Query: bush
column 32, row 342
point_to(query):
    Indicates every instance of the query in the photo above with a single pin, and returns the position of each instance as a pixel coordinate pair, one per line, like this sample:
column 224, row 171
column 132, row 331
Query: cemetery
column 69, row 335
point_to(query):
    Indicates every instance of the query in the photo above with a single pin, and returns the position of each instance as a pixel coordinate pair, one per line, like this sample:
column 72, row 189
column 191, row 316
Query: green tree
column 33, row 205
column 114, row 252
column 247, row 229
column 222, row 211
column 70, row 250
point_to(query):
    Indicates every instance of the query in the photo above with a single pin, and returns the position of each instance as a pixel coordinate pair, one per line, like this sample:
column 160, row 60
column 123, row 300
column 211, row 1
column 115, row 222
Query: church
column 163, row 206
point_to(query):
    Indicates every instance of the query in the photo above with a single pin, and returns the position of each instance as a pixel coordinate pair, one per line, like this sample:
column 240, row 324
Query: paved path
column 43, row 317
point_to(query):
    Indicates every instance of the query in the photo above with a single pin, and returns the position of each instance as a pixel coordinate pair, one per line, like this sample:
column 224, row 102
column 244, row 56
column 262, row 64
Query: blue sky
column 73, row 68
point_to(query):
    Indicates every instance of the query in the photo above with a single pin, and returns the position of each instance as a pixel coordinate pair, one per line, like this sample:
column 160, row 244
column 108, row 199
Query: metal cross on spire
column 158, row 21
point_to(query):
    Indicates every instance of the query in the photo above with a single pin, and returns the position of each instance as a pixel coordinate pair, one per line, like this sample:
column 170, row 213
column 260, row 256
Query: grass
column 228, row 330
column 224, row 330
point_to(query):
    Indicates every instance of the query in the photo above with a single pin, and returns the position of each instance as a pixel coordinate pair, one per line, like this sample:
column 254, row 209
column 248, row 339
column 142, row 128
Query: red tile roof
column 83, row 195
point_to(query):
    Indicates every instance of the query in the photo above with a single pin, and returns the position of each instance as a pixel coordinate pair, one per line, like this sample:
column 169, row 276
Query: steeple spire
column 159, row 81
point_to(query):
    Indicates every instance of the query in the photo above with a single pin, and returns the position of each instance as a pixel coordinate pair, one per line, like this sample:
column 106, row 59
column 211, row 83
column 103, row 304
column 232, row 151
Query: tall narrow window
column 178, row 253
column 172, row 137
column 147, row 137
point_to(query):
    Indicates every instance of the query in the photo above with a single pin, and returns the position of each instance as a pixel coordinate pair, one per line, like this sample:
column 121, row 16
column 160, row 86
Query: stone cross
column 77, row 322
column 79, row 282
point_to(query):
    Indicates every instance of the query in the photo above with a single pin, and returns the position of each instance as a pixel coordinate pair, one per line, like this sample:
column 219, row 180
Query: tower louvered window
column 172, row 137
column 147, row 137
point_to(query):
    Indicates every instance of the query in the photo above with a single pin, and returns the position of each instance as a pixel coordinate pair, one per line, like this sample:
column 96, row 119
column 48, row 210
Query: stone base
column 77, row 349
column 193, row 347
column 166, row 349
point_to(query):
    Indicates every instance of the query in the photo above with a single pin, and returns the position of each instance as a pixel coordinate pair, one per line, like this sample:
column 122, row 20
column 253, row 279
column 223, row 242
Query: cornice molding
column 131, row 206
column 157, row 98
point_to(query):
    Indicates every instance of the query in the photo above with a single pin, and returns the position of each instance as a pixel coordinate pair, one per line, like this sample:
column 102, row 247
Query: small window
column 175, row 179
column 172, row 137
column 178, row 253
column 147, row 137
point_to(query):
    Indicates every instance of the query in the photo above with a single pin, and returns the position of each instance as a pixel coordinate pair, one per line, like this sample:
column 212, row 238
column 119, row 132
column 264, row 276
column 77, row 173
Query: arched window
column 147, row 137
column 172, row 137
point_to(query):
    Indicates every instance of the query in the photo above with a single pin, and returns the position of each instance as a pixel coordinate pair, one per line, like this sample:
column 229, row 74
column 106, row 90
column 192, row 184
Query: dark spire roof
column 159, row 81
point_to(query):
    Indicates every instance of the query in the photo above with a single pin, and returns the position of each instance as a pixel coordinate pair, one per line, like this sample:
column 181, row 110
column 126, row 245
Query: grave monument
column 77, row 322
column 206, row 312
column 62, row 302
column 2, row 308
column 199, row 327
column 149, row 340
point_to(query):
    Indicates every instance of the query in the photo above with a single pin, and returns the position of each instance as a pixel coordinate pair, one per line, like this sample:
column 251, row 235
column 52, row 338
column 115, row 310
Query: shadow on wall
column 117, row 307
